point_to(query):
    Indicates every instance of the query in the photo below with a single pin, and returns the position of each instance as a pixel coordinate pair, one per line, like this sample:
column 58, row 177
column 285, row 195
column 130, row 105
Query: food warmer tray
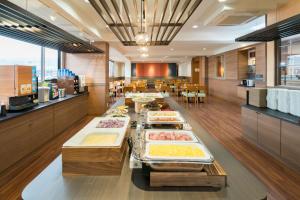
column 158, row 131
column 139, row 152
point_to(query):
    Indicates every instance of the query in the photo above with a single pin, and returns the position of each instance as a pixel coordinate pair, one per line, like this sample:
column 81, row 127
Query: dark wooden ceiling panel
column 17, row 23
column 166, row 18
column 285, row 28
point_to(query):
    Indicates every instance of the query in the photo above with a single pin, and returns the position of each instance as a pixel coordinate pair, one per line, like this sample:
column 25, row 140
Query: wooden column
column 96, row 69
column 200, row 76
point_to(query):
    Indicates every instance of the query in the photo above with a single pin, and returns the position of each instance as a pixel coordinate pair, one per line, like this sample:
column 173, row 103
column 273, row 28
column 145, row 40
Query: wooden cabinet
column 276, row 136
column 22, row 135
column 242, row 92
column 69, row 112
column 268, row 129
column 249, row 123
column 15, row 143
column 290, row 143
column 63, row 116
column 42, row 127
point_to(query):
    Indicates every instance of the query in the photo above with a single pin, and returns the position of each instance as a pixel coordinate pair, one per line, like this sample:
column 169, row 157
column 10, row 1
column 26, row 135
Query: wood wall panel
column 291, row 8
column 231, row 65
column 242, row 64
column 236, row 67
column 225, row 89
column 96, row 69
column 261, row 61
column 212, row 63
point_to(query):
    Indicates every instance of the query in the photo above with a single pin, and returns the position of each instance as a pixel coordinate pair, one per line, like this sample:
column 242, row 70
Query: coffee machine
column 18, row 89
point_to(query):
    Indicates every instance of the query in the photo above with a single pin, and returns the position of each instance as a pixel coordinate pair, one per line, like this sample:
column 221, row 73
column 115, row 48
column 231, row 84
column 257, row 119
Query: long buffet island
column 163, row 152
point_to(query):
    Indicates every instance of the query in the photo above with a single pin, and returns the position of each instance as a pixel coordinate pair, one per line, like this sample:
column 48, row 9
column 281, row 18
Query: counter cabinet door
column 290, row 143
column 42, row 127
column 15, row 141
column 269, row 133
column 249, row 124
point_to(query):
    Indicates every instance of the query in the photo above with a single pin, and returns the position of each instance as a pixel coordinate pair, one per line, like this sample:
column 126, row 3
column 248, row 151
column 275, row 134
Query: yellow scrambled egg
column 174, row 150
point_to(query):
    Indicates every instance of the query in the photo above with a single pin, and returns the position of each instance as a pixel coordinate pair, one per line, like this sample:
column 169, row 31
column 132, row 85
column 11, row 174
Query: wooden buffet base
column 193, row 175
column 94, row 161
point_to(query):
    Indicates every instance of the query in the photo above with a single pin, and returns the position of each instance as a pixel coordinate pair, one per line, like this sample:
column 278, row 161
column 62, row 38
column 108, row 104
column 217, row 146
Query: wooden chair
column 190, row 92
column 202, row 91
column 127, row 89
column 178, row 89
column 140, row 89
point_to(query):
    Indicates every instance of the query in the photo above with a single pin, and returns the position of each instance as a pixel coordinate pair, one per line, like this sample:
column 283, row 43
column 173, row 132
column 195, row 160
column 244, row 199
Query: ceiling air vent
column 236, row 19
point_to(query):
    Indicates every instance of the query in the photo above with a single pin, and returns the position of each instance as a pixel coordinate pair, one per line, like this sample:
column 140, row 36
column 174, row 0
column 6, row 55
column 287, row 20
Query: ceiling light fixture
column 144, row 55
column 53, row 18
column 195, row 26
column 222, row 0
column 143, row 49
column 142, row 37
column 86, row 1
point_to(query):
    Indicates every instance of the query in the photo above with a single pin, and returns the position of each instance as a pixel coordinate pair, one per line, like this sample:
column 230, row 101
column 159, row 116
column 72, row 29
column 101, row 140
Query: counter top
column 11, row 115
column 275, row 113
column 245, row 86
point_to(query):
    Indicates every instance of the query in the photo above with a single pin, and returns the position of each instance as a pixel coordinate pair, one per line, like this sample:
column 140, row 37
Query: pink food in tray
column 170, row 136
column 111, row 123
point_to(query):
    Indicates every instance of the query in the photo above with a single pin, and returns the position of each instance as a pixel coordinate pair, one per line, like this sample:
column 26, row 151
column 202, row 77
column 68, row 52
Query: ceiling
column 159, row 20
column 237, row 17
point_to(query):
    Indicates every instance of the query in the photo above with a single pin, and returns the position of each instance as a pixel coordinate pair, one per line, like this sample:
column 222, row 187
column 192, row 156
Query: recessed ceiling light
column 144, row 55
column 171, row 49
column 143, row 49
column 222, row 0
column 195, row 26
column 53, row 18
column 86, row 1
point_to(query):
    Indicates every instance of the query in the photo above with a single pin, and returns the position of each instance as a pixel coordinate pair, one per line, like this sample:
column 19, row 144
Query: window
column 51, row 63
column 288, row 70
column 220, row 72
column 15, row 52
column 111, row 68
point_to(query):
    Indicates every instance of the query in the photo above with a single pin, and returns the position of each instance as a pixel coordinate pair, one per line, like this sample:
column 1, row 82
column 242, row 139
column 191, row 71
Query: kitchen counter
column 11, row 115
column 275, row 113
column 246, row 86
column 23, row 133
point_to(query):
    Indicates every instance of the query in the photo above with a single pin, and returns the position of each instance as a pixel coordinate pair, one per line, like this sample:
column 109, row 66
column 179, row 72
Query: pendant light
column 142, row 37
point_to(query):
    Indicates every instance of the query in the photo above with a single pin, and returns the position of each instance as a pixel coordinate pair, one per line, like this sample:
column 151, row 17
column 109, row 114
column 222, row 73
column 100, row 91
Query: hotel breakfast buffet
column 149, row 99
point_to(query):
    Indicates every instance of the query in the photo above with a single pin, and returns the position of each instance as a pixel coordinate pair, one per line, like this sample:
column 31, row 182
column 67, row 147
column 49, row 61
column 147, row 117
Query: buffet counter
column 275, row 113
column 24, row 132
column 113, row 177
column 275, row 132
column 11, row 115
